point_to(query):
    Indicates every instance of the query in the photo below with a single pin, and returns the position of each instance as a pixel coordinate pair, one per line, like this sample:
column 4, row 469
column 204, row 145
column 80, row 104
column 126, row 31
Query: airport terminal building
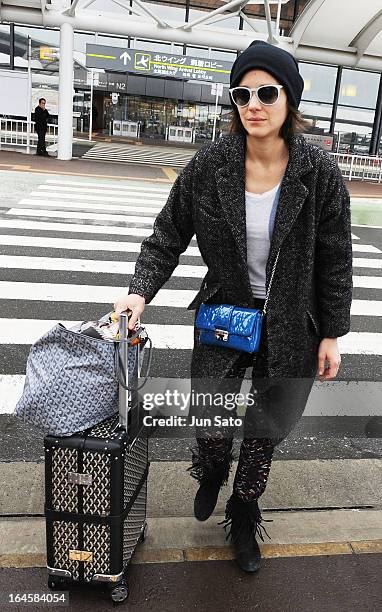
column 127, row 100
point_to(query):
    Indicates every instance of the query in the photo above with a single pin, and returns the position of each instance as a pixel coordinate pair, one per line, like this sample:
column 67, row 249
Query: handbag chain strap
column 270, row 283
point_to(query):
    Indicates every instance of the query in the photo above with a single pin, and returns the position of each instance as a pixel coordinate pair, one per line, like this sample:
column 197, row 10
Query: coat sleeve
column 172, row 232
column 334, row 259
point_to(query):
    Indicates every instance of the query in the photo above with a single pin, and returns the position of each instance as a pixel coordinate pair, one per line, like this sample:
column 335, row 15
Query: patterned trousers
column 215, row 450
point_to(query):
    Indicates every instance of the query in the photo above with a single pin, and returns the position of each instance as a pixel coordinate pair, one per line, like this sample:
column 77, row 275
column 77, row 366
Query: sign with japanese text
column 151, row 63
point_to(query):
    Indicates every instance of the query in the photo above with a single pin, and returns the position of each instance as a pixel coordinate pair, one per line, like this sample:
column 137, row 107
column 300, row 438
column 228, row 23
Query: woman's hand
column 328, row 351
column 132, row 302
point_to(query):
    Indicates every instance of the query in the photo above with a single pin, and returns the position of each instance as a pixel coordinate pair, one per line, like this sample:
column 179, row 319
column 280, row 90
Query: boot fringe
column 244, row 511
column 202, row 470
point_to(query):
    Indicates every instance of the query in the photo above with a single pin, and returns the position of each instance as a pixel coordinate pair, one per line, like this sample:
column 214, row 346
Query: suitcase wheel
column 56, row 582
column 119, row 592
column 143, row 535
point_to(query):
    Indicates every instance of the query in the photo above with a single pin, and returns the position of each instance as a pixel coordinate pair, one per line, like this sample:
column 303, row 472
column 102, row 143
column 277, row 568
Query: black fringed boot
column 244, row 519
column 211, row 478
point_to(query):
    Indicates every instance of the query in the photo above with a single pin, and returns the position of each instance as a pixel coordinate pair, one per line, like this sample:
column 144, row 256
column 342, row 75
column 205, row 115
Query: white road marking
column 74, row 228
column 63, row 214
column 95, row 294
column 123, row 185
column 176, row 337
column 22, row 262
column 367, row 263
column 79, row 245
column 127, row 208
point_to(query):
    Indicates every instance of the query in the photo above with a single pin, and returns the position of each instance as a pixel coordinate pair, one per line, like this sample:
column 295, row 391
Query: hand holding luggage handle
column 121, row 364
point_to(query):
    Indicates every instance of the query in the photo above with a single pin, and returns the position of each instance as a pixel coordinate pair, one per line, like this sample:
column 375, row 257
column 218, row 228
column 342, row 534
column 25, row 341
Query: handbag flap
column 212, row 316
column 236, row 320
column 243, row 321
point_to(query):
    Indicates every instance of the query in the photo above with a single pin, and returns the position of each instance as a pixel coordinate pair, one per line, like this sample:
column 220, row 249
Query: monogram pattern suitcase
column 95, row 496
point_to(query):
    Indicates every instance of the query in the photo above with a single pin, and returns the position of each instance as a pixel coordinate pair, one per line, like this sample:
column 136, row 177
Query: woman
column 259, row 196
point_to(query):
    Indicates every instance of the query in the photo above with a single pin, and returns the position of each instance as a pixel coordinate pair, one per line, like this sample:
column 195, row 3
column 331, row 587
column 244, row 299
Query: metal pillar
column 65, row 93
column 337, row 90
column 12, row 46
column 377, row 125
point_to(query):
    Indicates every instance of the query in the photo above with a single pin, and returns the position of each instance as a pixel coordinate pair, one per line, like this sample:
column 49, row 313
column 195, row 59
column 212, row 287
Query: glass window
column 319, row 82
column 157, row 46
column 353, row 129
column 359, row 88
column 197, row 51
column 45, row 44
column 4, row 46
column 230, row 22
column 227, row 56
column 168, row 12
column 112, row 41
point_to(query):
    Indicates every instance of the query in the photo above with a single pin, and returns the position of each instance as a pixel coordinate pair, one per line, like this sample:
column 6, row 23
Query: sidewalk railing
column 359, row 167
column 15, row 132
column 20, row 133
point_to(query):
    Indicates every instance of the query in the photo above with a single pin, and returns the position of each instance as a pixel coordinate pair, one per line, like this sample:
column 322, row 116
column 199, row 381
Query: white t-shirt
column 260, row 216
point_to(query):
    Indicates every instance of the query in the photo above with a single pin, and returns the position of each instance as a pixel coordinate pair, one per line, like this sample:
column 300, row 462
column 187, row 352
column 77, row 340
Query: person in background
column 41, row 118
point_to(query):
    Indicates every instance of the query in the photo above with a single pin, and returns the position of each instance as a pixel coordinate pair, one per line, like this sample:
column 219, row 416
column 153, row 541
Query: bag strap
column 270, row 284
column 119, row 367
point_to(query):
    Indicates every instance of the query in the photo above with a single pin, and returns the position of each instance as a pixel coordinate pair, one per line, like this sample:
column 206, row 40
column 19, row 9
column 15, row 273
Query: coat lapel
column 230, row 180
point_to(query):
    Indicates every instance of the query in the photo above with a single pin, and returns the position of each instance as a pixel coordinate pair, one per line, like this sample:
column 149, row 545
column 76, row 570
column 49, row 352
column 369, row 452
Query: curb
column 223, row 553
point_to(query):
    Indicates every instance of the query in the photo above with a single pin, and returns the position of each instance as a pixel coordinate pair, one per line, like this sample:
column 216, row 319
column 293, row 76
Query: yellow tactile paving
column 23, row 560
column 367, row 546
column 159, row 555
column 170, row 173
column 84, row 174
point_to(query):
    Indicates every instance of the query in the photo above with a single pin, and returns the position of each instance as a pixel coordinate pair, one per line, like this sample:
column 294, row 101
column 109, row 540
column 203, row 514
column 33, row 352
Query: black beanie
column 272, row 59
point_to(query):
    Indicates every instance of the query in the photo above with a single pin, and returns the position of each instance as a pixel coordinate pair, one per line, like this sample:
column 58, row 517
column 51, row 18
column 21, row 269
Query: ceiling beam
column 109, row 23
column 302, row 23
column 365, row 37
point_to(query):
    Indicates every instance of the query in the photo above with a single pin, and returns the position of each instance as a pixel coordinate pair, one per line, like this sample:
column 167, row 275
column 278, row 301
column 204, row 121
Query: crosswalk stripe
column 88, row 265
column 79, row 245
column 95, row 294
column 11, row 388
column 127, row 208
column 155, row 205
column 366, row 226
column 368, row 282
column 93, row 265
column 94, row 194
column 74, row 227
column 178, row 337
column 122, row 186
column 100, row 294
column 367, row 263
column 365, row 248
column 366, row 308
column 354, row 237
column 63, row 214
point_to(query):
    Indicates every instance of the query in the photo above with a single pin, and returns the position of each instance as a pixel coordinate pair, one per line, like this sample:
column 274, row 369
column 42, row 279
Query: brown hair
column 293, row 124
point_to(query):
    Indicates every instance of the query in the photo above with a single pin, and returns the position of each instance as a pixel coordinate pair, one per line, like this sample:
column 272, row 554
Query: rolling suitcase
column 95, row 494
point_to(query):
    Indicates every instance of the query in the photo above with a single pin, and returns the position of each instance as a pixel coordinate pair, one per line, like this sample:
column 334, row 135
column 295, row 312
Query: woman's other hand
column 328, row 351
column 132, row 302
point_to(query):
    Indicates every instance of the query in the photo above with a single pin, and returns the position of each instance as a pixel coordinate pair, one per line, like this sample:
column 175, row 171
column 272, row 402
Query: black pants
column 41, row 146
column 214, row 448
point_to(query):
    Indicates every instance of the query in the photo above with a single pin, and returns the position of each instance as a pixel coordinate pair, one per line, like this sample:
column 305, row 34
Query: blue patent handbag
column 232, row 326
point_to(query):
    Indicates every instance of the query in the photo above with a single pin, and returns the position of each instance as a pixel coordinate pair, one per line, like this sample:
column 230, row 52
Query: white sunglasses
column 266, row 94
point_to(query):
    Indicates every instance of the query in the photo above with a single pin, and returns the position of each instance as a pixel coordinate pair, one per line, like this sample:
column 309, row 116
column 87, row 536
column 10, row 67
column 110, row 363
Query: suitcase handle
column 121, row 366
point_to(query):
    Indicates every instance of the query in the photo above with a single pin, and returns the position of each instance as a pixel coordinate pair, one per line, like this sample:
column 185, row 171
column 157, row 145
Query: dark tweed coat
column 310, row 297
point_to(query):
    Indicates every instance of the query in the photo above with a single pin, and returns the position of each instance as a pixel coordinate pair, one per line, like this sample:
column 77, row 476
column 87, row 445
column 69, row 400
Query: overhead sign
column 151, row 63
